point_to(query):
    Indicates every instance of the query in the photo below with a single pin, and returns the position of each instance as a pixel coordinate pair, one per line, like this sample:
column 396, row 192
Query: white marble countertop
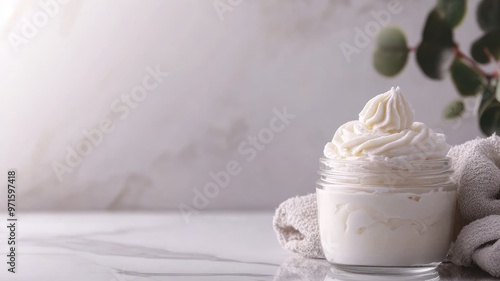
column 162, row 246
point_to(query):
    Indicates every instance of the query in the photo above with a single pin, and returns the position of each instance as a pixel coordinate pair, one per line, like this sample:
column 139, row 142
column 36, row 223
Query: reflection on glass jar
column 385, row 215
column 338, row 275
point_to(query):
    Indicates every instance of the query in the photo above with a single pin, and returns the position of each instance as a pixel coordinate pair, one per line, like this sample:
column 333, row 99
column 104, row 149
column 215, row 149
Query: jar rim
column 378, row 187
column 392, row 172
column 390, row 164
column 446, row 160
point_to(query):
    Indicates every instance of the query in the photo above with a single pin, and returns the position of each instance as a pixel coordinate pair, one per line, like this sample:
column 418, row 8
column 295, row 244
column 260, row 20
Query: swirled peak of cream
column 387, row 112
column 386, row 129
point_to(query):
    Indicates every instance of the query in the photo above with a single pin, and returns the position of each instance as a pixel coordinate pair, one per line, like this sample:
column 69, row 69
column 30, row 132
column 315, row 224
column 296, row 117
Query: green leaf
column 489, row 112
column 434, row 60
column 391, row 52
column 435, row 52
column 437, row 30
column 488, row 14
column 490, row 41
column 453, row 11
column 454, row 109
column 486, row 99
column 489, row 121
column 466, row 79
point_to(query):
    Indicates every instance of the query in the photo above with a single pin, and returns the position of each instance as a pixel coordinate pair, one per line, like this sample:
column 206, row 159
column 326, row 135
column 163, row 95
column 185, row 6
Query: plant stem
column 472, row 62
column 492, row 60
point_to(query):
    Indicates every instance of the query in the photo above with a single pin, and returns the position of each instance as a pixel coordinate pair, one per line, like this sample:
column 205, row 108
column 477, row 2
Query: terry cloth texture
column 477, row 173
column 296, row 225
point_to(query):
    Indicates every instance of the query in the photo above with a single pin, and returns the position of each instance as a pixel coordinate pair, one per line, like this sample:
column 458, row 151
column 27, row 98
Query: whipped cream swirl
column 386, row 129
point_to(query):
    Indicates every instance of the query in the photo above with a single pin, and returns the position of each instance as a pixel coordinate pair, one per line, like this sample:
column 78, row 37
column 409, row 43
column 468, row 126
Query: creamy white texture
column 375, row 210
column 387, row 112
column 401, row 228
column 386, row 129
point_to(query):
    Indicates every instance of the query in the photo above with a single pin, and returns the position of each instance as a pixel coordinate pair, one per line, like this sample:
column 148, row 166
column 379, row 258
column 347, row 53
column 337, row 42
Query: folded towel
column 477, row 173
column 296, row 225
column 479, row 241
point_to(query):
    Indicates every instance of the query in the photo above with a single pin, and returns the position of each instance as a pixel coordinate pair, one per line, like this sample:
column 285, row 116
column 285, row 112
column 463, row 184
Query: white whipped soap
column 385, row 128
column 366, row 219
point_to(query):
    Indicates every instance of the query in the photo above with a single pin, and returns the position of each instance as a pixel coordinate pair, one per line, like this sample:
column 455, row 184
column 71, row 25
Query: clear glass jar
column 385, row 216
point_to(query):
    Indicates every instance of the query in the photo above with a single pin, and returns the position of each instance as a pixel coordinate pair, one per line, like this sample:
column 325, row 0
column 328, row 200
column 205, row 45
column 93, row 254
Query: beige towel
column 477, row 173
column 479, row 243
column 296, row 225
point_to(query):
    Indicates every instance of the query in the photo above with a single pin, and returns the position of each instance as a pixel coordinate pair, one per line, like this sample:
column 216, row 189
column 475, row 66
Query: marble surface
column 161, row 246
column 226, row 76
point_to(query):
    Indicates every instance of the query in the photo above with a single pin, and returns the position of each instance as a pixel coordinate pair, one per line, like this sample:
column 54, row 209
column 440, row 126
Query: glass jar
column 387, row 215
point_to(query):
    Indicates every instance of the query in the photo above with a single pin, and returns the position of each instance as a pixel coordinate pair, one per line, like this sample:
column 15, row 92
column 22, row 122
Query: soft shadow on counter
column 448, row 271
column 339, row 275
column 298, row 268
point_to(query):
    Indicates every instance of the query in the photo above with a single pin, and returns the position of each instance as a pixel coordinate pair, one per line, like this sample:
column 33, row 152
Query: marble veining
column 99, row 247
column 226, row 76
column 161, row 246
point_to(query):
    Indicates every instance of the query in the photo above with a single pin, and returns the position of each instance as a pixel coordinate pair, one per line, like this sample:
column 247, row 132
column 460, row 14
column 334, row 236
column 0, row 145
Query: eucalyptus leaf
column 497, row 94
column 434, row 60
column 489, row 109
column 466, row 79
column 391, row 52
column 488, row 14
column 486, row 99
column 490, row 41
column 437, row 30
column 489, row 121
column 435, row 52
column 453, row 11
column 454, row 109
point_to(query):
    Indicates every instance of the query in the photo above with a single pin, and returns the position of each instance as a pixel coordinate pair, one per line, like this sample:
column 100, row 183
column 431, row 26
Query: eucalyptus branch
column 471, row 62
column 492, row 60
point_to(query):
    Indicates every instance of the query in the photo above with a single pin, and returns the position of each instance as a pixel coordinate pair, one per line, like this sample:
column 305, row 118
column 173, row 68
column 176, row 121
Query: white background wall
column 226, row 76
